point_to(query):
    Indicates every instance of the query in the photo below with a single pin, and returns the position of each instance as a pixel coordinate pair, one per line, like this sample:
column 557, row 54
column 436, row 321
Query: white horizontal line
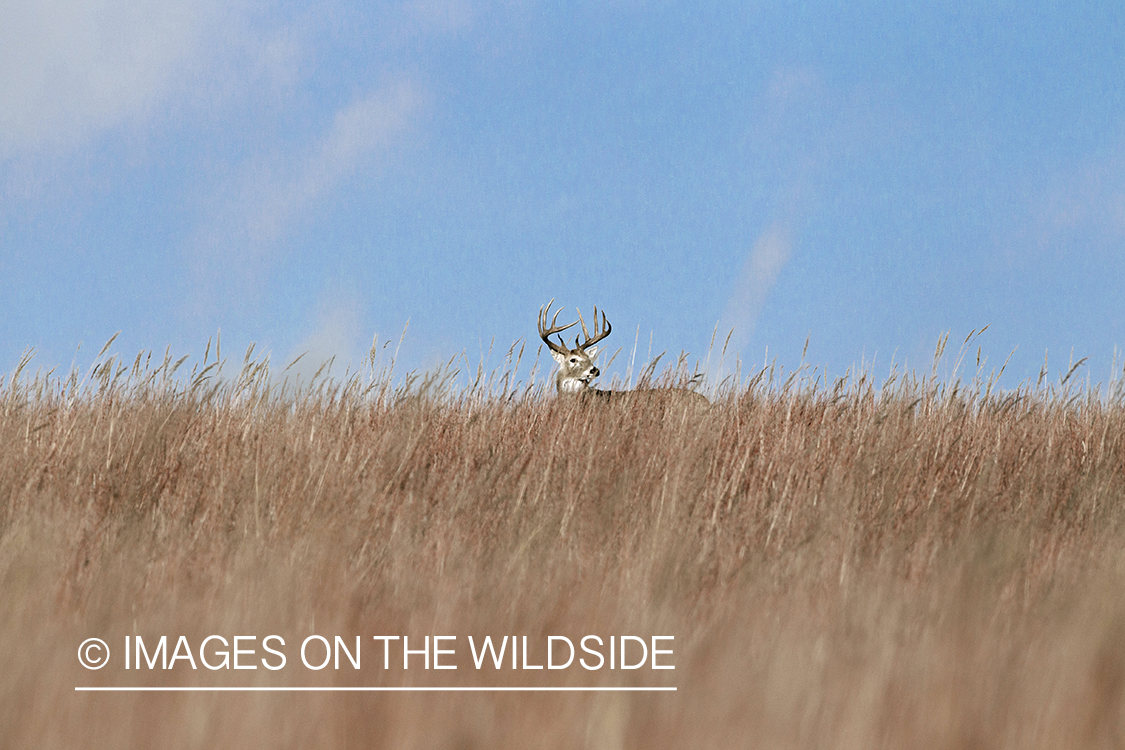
column 149, row 689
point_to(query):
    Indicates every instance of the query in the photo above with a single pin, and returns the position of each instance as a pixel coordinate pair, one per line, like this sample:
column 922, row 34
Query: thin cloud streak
column 764, row 263
column 336, row 338
column 363, row 128
column 252, row 214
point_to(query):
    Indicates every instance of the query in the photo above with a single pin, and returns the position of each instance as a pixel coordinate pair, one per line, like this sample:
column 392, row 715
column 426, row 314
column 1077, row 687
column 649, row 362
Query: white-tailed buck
column 576, row 365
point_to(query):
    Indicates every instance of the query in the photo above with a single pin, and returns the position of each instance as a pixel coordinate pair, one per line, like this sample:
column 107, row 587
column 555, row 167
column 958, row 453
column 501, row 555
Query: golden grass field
column 910, row 563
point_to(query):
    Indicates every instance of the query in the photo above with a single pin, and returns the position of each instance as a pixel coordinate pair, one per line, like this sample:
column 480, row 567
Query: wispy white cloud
column 790, row 101
column 70, row 69
column 336, row 337
column 249, row 216
column 764, row 263
column 78, row 74
column 272, row 194
column 1084, row 211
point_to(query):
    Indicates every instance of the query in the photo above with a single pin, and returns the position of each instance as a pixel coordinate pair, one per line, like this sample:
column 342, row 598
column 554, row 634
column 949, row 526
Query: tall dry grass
column 910, row 564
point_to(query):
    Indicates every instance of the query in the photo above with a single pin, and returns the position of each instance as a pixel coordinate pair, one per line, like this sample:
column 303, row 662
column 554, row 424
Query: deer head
column 576, row 365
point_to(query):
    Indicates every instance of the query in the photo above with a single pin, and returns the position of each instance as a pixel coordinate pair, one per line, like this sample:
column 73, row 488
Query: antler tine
column 598, row 335
column 583, row 322
column 585, row 333
column 606, row 326
column 545, row 332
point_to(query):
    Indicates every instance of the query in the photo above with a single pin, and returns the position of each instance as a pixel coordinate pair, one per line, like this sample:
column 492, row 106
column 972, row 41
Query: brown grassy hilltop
column 913, row 564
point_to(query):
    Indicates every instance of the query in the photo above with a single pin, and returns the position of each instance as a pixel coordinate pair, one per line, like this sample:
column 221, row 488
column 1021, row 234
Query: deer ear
column 591, row 351
column 559, row 358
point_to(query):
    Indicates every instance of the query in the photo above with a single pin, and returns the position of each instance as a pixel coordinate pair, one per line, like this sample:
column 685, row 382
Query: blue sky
column 867, row 175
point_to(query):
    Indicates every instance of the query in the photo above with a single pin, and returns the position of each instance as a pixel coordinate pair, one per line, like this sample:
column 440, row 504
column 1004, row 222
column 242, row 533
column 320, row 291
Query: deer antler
column 545, row 331
column 598, row 336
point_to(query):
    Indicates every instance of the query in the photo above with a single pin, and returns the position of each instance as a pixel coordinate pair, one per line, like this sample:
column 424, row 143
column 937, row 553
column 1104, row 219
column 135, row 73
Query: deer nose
column 595, row 372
